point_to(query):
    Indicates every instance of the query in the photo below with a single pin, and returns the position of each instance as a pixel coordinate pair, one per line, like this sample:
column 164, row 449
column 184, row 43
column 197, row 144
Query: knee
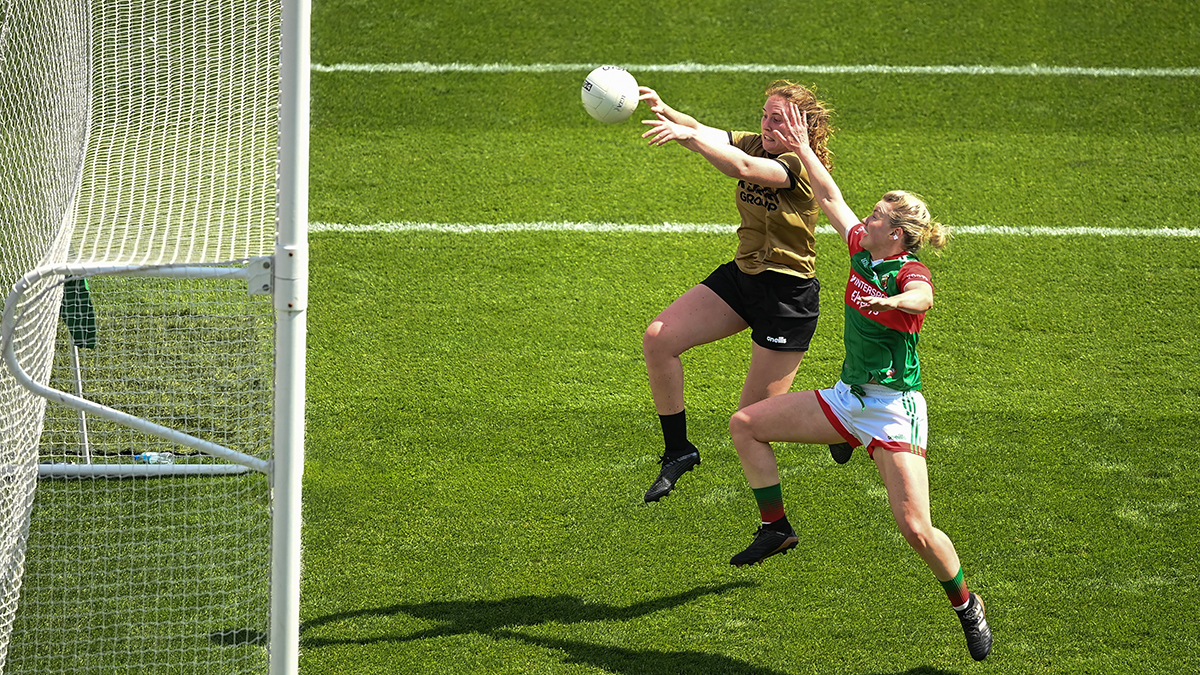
column 741, row 429
column 918, row 532
column 655, row 342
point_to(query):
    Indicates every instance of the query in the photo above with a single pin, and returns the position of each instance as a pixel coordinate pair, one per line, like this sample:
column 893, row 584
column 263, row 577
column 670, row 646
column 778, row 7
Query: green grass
column 152, row 570
column 480, row 428
column 1057, row 151
column 474, row 479
column 1018, row 32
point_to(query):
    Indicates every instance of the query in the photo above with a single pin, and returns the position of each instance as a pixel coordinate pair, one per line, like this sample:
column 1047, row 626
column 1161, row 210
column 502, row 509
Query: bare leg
column 771, row 374
column 794, row 417
column 788, row 417
column 907, row 481
column 698, row 317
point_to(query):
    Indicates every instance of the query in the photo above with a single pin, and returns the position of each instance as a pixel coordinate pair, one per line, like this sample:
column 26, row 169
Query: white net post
column 291, row 312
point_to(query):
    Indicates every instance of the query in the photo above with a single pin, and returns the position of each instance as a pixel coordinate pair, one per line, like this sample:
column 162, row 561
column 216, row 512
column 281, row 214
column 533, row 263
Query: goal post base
column 67, row 470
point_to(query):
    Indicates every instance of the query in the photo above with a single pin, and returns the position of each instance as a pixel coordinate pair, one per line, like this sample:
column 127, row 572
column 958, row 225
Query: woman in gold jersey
column 770, row 286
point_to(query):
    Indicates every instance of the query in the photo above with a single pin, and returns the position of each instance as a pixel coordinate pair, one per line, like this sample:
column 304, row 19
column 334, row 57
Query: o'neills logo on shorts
column 777, row 340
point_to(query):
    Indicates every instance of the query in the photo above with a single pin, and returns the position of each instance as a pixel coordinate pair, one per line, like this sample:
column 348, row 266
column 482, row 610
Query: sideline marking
column 716, row 228
column 423, row 67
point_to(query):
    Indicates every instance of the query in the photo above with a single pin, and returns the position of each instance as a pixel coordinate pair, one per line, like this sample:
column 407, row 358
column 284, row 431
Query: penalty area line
column 718, row 228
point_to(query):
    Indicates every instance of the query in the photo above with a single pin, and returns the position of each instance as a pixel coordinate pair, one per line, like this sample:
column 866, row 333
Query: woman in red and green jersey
column 877, row 401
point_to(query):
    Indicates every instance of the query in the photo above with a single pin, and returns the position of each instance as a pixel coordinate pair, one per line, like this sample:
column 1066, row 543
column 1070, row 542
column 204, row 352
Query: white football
column 610, row 94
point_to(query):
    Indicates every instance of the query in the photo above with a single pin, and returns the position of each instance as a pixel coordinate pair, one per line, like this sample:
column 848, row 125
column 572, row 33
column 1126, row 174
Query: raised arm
column 711, row 143
column 794, row 137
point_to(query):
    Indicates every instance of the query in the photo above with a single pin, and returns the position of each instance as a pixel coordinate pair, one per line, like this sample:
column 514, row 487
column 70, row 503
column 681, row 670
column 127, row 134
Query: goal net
column 139, row 163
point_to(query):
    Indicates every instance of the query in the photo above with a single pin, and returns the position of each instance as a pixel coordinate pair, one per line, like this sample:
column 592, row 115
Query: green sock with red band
column 956, row 590
column 770, row 502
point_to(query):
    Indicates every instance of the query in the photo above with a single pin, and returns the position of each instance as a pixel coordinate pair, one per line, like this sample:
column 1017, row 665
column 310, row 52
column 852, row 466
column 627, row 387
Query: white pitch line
column 470, row 228
column 422, row 67
column 710, row 228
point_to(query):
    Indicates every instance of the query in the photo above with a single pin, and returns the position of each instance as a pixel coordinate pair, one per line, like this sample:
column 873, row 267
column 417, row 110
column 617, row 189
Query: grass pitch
column 474, row 481
column 480, row 430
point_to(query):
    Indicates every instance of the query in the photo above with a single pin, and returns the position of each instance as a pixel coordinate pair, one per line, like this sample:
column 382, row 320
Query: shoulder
column 914, row 270
column 748, row 142
column 854, row 238
column 796, row 171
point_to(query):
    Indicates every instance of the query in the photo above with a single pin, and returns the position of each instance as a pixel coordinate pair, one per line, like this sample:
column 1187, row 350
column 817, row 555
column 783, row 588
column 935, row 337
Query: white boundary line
column 711, row 228
column 422, row 67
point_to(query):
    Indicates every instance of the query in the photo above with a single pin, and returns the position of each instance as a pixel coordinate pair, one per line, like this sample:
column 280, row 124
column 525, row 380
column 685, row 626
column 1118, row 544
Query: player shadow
column 487, row 617
column 923, row 670
column 623, row 661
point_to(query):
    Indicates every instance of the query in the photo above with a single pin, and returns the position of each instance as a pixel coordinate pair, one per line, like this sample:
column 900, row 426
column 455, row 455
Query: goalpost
column 154, row 260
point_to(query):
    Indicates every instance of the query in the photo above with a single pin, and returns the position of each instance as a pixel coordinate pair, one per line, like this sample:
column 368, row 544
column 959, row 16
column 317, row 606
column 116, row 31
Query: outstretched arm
column 713, row 144
column 656, row 105
column 794, row 137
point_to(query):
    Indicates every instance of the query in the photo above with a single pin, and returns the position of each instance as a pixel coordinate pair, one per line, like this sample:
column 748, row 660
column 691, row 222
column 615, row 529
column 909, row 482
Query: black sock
column 781, row 525
column 674, row 428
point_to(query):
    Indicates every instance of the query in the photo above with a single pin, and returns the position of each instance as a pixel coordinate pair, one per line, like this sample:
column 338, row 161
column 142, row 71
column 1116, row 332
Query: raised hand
column 652, row 99
column 794, row 134
column 663, row 131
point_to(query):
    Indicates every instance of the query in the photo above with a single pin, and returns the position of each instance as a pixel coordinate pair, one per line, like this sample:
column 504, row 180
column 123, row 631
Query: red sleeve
column 914, row 271
column 854, row 236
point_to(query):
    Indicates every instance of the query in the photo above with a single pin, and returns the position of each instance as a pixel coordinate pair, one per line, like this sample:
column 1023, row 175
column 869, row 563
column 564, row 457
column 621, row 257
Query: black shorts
column 781, row 309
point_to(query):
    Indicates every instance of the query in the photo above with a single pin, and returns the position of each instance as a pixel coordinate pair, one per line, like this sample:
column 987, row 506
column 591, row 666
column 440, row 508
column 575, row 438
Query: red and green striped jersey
column 881, row 347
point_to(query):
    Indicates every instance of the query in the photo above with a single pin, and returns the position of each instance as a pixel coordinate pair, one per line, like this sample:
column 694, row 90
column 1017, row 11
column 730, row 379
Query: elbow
column 741, row 170
column 829, row 203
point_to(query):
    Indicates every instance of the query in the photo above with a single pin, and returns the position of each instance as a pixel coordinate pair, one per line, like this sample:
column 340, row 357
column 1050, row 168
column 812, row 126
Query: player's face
column 772, row 119
column 879, row 229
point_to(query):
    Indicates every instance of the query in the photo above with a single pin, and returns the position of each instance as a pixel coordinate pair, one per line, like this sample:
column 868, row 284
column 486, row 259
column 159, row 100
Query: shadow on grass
column 924, row 670
column 489, row 616
column 622, row 661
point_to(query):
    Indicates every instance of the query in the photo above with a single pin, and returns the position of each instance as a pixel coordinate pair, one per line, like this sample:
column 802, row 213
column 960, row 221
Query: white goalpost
column 154, row 262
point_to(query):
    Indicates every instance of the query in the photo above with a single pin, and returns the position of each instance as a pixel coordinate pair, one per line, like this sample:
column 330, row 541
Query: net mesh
column 137, row 132
column 185, row 112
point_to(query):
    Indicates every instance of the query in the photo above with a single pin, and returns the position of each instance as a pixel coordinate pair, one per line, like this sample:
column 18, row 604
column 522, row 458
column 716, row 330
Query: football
column 610, row 93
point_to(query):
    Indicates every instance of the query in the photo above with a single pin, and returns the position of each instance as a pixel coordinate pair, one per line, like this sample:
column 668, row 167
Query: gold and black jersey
column 777, row 223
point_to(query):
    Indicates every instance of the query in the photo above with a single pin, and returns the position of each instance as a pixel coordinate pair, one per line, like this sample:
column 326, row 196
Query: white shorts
column 882, row 418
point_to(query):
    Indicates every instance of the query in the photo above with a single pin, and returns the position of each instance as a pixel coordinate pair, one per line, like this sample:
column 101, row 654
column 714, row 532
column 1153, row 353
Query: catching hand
column 652, row 99
column 663, row 130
